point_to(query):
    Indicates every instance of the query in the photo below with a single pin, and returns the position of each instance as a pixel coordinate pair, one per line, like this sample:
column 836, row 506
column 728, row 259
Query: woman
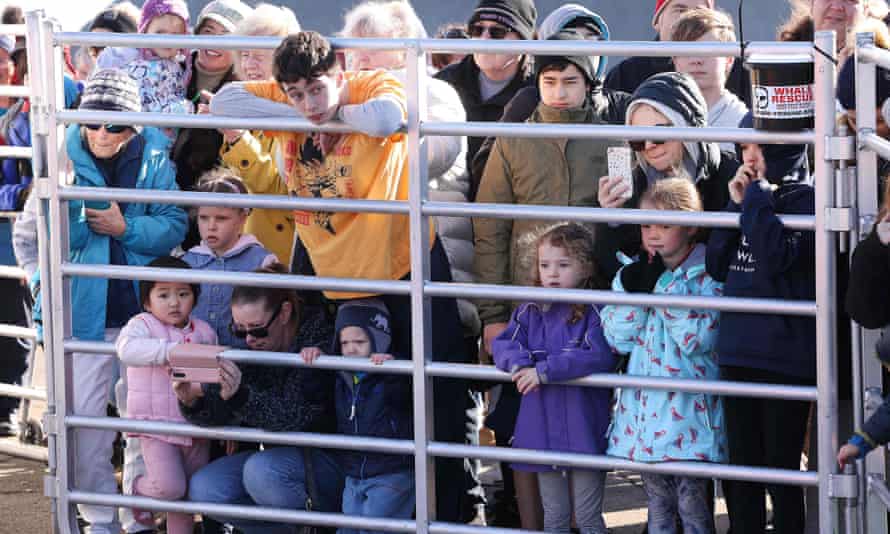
column 251, row 153
column 667, row 99
column 196, row 151
column 810, row 16
column 270, row 398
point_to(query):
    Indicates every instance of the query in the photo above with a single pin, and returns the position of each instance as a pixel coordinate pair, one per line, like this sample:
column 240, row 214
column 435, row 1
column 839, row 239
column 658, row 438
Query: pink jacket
column 143, row 346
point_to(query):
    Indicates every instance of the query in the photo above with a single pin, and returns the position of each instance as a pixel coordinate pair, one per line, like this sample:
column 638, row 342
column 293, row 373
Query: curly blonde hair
column 576, row 239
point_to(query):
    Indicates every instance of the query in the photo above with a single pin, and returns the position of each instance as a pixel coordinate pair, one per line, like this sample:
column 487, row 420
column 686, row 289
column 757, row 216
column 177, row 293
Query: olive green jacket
column 560, row 172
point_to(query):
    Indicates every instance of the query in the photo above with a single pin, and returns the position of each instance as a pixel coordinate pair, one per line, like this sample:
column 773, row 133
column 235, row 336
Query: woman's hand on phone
column 187, row 393
column 230, row 379
column 612, row 192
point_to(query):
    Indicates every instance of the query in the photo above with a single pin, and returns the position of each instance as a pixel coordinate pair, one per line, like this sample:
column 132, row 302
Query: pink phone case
column 203, row 375
column 195, row 363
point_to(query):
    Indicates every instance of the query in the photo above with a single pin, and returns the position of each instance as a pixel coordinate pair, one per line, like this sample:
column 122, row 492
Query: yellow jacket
column 253, row 157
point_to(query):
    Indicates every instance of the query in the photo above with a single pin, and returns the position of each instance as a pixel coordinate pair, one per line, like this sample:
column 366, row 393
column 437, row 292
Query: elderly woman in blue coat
column 111, row 233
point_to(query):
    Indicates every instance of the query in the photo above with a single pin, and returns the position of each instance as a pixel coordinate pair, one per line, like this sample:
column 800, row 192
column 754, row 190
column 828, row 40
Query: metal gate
column 57, row 271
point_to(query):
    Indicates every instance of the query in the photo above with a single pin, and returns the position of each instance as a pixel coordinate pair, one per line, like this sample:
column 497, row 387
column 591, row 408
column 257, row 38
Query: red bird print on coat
column 676, row 415
column 678, row 443
column 659, row 434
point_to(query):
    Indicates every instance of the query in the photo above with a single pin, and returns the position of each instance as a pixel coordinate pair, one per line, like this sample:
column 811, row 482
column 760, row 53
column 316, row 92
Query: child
column 161, row 73
column 659, row 426
column 546, row 343
column 876, row 431
column 224, row 247
column 374, row 405
column 762, row 259
column 710, row 73
column 144, row 345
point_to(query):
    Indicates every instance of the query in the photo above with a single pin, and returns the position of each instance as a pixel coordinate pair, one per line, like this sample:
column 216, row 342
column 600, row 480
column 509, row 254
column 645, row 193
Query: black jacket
column 630, row 73
column 868, row 292
column 277, row 399
column 376, row 405
column 608, row 106
column 763, row 259
column 464, row 77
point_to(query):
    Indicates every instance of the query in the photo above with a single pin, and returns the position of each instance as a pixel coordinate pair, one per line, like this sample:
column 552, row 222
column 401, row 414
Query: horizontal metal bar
column 296, row 439
column 439, row 527
column 19, row 392
column 612, row 463
column 610, row 380
column 604, row 48
column 277, row 515
column 191, row 198
column 206, row 121
column 607, row 131
column 489, row 372
column 9, row 214
column 646, row 300
column 873, row 141
column 18, row 152
column 711, row 219
column 19, row 91
column 15, row 448
column 878, row 487
column 13, row 30
column 290, row 281
column 15, row 273
column 21, row 332
column 874, row 54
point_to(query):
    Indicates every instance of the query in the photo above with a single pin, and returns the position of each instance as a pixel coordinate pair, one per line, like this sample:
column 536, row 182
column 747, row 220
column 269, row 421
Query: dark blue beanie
column 784, row 163
column 846, row 85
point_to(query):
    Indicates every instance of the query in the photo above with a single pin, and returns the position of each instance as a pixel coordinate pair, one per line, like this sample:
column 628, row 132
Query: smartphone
column 192, row 362
column 619, row 158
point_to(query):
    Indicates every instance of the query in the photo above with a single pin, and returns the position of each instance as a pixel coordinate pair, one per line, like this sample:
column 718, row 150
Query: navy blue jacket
column 379, row 406
column 764, row 260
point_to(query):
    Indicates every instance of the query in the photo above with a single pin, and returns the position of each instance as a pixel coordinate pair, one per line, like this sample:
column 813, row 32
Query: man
column 370, row 163
column 104, row 155
column 487, row 82
column 630, row 73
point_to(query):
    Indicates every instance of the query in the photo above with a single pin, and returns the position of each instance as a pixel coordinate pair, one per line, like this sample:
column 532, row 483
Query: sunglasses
column 110, row 128
column 495, row 32
column 638, row 146
column 257, row 332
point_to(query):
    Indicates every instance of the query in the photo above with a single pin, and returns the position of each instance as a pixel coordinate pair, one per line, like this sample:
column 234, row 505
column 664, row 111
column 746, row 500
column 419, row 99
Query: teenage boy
column 534, row 171
column 486, row 82
column 710, row 73
column 370, row 163
column 630, row 73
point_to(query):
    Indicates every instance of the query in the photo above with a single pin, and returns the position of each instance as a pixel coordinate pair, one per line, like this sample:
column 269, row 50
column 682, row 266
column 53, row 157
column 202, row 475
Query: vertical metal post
column 59, row 298
column 867, row 206
column 36, row 81
column 826, row 364
column 424, row 465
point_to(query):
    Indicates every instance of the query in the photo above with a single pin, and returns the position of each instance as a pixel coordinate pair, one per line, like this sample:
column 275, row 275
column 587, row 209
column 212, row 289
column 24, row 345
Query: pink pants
column 167, row 471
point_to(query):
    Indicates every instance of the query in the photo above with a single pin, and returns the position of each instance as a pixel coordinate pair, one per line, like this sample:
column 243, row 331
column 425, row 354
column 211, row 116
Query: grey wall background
column 628, row 20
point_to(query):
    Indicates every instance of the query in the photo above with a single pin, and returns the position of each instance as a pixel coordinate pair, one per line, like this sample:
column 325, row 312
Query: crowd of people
column 540, row 344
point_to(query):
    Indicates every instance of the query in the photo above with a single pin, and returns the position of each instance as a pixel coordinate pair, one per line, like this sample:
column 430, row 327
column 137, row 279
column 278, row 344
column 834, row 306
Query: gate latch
column 839, row 219
column 840, row 148
column 844, row 486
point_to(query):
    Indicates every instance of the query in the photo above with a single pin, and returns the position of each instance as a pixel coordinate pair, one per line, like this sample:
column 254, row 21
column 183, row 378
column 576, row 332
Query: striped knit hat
column 111, row 90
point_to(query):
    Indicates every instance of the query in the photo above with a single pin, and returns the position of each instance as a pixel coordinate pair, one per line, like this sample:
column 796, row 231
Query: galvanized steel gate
column 832, row 217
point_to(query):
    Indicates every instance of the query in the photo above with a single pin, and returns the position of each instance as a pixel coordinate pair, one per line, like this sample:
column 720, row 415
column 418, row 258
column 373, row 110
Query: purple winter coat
column 556, row 417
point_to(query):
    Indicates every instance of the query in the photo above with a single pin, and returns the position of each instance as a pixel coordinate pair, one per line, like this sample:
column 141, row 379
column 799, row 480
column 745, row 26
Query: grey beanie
column 111, row 90
column 371, row 316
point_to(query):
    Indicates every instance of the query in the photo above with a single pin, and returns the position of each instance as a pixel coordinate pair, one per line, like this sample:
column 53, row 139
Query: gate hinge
column 49, row 486
column 50, row 423
column 839, row 219
column 840, row 148
column 844, row 486
column 41, row 188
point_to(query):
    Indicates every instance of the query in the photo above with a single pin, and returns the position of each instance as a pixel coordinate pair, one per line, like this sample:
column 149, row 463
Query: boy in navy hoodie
column 763, row 259
column 371, row 405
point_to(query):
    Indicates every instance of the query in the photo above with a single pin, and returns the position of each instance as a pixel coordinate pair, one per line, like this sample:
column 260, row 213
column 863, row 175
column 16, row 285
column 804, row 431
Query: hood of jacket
column 244, row 242
column 677, row 96
column 557, row 20
column 785, row 164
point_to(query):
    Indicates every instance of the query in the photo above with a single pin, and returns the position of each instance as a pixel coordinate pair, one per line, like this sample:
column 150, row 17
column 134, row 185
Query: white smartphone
column 619, row 158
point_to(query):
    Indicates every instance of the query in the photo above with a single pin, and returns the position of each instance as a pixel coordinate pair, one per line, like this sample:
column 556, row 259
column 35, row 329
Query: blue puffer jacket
column 152, row 229
column 373, row 405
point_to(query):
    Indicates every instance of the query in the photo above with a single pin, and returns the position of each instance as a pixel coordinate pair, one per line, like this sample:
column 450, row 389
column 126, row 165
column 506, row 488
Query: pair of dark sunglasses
column 110, row 128
column 257, row 332
column 638, row 146
column 495, row 32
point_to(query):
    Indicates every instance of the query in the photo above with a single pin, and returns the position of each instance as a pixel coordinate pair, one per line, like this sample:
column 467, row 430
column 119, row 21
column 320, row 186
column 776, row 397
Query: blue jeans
column 390, row 495
column 673, row 496
column 272, row 478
